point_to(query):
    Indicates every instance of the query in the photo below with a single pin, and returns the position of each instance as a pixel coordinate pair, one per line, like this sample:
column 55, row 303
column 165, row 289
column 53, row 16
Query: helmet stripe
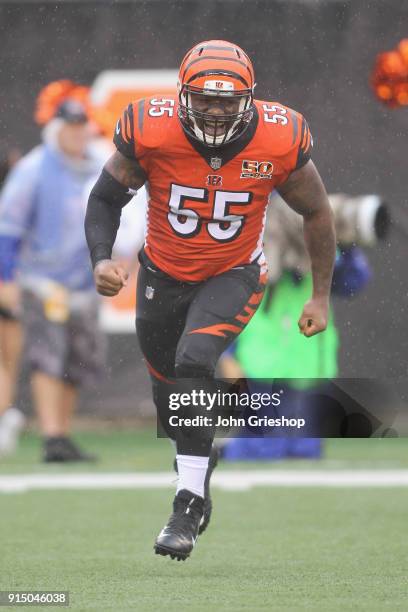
column 221, row 72
column 221, row 59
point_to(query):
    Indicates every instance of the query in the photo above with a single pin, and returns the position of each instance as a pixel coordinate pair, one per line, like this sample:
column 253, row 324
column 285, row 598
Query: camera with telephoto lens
column 360, row 220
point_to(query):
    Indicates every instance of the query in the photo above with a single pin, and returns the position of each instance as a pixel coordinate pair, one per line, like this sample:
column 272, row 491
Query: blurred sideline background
column 315, row 56
column 284, row 545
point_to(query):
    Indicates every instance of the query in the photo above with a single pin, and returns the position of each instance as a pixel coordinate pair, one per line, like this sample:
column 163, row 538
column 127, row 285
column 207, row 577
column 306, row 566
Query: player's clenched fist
column 314, row 316
column 110, row 276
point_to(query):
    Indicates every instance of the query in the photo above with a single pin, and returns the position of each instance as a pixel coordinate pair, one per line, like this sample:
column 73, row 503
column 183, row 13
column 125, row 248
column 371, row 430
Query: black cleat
column 179, row 536
column 212, row 464
column 62, row 450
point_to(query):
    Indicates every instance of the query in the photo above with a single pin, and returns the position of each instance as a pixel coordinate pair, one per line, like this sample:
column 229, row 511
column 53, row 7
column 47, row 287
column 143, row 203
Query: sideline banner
column 111, row 92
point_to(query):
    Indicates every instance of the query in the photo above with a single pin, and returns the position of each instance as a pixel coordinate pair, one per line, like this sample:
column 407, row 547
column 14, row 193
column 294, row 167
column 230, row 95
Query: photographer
column 271, row 347
column 44, row 264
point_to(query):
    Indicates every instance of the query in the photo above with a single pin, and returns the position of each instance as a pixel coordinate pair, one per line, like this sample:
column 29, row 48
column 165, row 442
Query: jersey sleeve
column 124, row 135
column 304, row 152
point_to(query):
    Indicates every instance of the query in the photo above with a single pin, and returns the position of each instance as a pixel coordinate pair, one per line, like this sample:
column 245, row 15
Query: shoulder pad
column 289, row 130
column 143, row 125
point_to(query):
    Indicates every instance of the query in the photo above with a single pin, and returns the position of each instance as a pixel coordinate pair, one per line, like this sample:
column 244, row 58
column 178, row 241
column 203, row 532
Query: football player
column 210, row 158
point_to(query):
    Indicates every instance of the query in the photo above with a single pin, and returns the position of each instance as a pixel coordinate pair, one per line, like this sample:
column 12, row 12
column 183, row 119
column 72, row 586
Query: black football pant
column 183, row 328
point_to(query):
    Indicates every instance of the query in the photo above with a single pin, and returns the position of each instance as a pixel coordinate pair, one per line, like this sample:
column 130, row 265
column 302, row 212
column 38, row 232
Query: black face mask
column 192, row 119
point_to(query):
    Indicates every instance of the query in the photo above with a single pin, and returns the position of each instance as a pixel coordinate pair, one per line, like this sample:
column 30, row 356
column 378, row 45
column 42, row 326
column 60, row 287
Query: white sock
column 11, row 423
column 192, row 471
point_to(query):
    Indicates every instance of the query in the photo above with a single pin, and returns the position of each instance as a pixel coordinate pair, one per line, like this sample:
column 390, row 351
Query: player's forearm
column 320, row 241
column 103, row 214
column 305, row 193
column 101, row 225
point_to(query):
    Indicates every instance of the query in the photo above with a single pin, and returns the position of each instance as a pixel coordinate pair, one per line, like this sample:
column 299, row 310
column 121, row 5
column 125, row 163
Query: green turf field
column 266, row 549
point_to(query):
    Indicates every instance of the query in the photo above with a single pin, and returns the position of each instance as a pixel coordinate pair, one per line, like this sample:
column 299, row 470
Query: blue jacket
column 42, row 212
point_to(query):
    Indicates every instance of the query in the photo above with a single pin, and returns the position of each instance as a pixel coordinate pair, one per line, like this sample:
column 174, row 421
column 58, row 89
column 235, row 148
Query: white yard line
column 241, row 480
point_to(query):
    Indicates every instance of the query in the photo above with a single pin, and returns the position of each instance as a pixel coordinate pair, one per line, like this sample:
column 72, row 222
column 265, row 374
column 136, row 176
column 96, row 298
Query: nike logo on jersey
column 118, row 127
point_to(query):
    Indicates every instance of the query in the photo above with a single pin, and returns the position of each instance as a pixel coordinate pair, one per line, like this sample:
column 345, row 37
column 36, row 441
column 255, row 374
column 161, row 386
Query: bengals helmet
column 221, row 69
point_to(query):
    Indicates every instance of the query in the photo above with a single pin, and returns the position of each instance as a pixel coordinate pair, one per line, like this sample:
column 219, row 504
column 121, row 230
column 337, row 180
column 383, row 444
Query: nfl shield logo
column 149, row 293
column 215, row 163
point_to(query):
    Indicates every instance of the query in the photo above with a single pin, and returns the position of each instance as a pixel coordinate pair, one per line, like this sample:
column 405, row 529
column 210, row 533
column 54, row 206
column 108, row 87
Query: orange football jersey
column 206, row 209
